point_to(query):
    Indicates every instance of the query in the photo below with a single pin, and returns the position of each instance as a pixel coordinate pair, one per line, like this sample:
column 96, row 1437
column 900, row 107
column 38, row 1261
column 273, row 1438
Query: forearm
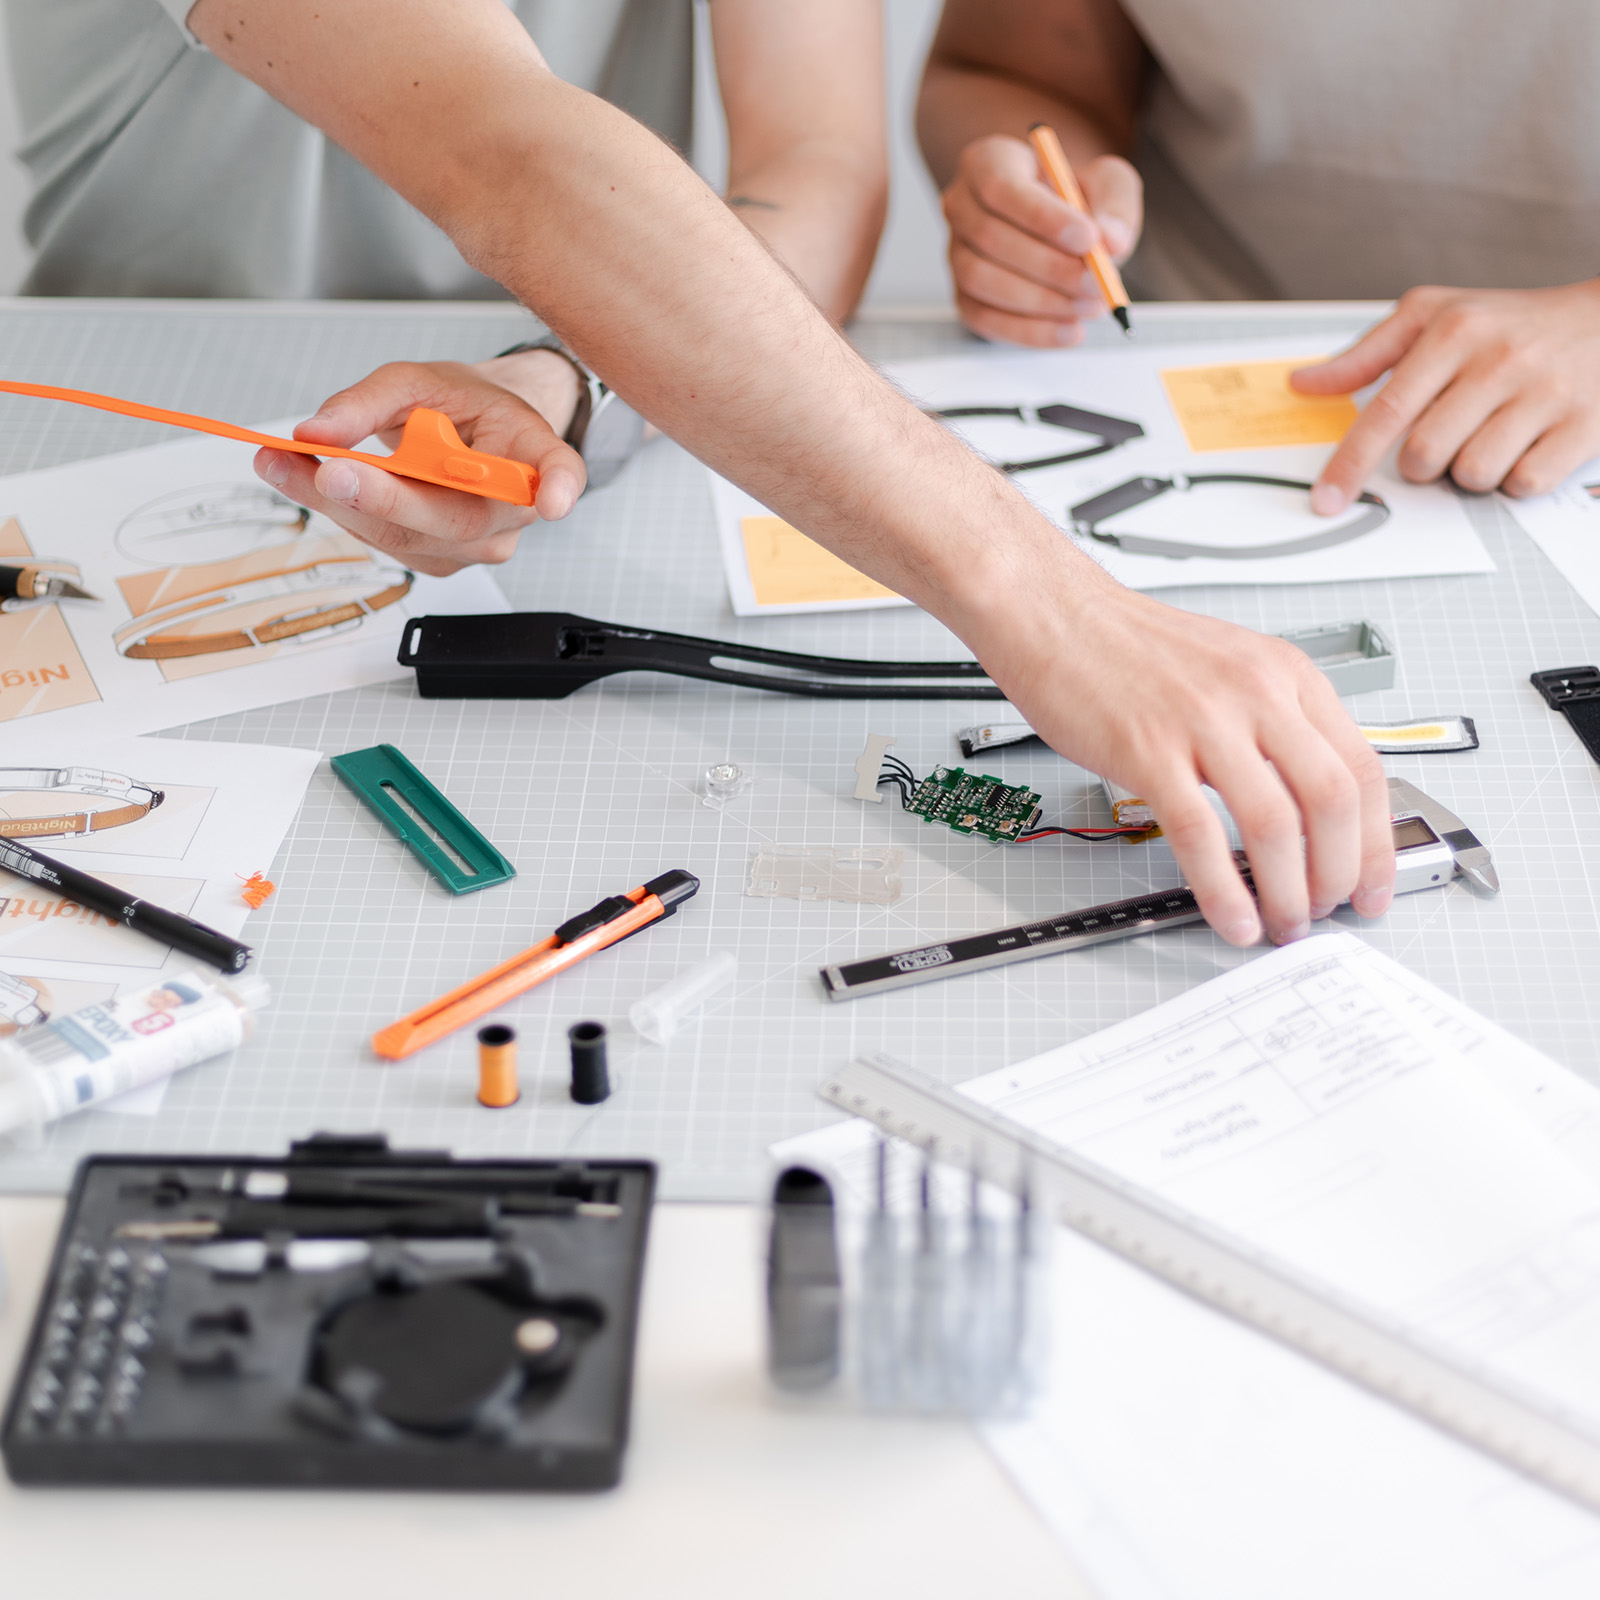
column 803, row 90
column 960, row 102
column 609, row 236
column 821, row 214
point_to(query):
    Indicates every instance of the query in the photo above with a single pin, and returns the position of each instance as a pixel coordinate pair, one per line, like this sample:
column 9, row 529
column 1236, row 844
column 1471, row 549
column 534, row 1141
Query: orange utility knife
column 430, row 449
column 605, row 924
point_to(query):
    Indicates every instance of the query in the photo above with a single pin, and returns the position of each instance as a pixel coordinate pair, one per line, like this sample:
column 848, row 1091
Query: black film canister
column 590, row 1082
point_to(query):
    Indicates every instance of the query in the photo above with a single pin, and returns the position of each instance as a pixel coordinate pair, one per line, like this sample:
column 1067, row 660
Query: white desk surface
column 727, row 1492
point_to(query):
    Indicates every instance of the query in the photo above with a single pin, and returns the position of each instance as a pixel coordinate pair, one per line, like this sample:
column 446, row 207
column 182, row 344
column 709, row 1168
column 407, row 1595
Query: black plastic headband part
column 546, row 655
column 1110, row 431
column 1088, row 514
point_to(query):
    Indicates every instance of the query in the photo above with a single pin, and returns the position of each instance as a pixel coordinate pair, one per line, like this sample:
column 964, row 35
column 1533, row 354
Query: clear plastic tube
column 64, row 1065
column 658, row 1015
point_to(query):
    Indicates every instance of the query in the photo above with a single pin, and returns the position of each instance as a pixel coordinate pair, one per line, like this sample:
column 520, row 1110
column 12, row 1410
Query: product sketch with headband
column 234, row 573
column 170, row 585
column 1169, row 464
column 41, row 667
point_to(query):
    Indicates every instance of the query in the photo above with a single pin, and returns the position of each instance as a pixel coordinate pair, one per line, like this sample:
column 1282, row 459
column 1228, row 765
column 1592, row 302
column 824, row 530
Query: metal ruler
column 1527, row 1431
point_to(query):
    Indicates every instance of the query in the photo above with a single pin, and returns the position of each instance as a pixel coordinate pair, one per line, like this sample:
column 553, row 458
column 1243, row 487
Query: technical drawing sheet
column 1077, row 424
column 1328, row 1106
column 181, row 823
column 214, row 593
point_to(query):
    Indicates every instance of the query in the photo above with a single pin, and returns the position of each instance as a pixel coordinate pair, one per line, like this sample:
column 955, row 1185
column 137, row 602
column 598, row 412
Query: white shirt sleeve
column 179, row 11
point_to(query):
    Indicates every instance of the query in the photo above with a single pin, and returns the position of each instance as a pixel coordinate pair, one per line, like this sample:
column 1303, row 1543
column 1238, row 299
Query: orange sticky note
column 787, row 568
column 1248, row 405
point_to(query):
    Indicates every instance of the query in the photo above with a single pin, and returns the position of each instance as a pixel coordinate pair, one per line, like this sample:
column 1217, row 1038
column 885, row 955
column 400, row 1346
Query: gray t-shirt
column 1350, row 149
column 159, row 171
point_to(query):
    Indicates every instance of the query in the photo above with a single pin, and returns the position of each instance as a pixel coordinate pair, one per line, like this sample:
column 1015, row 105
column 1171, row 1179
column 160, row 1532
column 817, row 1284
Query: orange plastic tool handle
column 430, row 449
column 490, row 990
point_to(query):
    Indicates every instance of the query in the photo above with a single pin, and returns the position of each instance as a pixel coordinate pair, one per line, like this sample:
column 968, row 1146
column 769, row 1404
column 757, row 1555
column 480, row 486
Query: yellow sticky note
column 786, row 568
column 1248, row 405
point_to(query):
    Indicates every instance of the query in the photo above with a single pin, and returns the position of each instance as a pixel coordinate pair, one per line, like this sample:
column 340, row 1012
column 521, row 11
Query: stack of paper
column 1327, row 1106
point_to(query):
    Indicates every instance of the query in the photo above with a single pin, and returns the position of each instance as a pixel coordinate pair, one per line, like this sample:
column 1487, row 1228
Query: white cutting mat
column 594, row 794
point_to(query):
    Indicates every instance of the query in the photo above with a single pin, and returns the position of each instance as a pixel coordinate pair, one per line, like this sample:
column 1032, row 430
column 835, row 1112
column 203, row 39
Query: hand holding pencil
column 1019, row 252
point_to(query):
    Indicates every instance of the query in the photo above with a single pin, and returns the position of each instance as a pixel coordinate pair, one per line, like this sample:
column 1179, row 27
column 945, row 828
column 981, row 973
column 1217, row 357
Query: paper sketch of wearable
column 1110, row 431
column 1088, row 514
column 21, row 1005
column 137, row 800
column 293, row 603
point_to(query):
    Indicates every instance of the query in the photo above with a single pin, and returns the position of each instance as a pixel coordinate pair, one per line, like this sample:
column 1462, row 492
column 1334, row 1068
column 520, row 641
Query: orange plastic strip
column 490, row 990
column 430, row 449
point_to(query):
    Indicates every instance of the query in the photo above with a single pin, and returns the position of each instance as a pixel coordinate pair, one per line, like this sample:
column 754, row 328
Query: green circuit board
column 973, row 802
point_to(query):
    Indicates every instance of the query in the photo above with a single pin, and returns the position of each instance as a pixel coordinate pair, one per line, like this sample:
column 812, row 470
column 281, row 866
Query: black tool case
column 345, row 1316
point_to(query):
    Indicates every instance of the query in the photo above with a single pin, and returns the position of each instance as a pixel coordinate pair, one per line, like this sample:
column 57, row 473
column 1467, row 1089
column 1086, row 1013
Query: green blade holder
column 430, row 827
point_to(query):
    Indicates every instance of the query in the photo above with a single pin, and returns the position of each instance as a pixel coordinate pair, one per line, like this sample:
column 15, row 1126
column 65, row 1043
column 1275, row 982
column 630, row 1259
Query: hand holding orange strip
column 605, row 924
column 1056, row 168
column 430, row 449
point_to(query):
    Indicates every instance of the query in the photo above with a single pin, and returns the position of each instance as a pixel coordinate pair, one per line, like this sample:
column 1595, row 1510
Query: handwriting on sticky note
column 787, row 568
column 1248, row 405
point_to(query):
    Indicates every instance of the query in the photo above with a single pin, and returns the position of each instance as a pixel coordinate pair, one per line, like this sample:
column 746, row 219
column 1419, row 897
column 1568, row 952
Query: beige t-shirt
column 1350, row 149
column 159, row 171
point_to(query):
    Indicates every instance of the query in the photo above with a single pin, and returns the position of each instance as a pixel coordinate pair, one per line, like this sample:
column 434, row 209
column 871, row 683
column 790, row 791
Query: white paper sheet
column 224, row 812
column 1566, row 526
column 1420, row 1156
column 1427, row 532
column 186, row 539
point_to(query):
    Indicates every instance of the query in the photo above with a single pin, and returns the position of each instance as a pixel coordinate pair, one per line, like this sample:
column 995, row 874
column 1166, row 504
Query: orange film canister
column 497, row 1066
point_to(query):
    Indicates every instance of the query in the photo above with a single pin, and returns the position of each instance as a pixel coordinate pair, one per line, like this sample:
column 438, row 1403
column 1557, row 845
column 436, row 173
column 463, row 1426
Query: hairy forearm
column 608, row 235
column 821, row 214
column 959, row 103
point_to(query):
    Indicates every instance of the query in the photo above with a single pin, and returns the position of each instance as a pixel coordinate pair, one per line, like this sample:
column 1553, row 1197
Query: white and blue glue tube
column 69, row 1063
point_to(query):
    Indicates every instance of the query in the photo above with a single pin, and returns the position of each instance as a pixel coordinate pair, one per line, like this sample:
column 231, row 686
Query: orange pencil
column 1053, row 161
column 605, row 924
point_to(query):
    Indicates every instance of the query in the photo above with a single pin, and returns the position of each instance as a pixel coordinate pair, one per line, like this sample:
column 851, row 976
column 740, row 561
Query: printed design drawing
column 23, row 1002
column 41, row 668
column 232, row 598
column 1108, row 431
column 130, row 801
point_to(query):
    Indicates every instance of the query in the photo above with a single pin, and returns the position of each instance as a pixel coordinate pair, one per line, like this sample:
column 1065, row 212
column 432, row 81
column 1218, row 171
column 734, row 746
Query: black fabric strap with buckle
column 1088, row 514
column 1575, row 692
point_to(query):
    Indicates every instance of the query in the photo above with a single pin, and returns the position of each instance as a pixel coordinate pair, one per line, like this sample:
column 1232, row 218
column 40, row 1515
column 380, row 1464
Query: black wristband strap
column 584, row 409
column 604, row 429
column 1574, row 691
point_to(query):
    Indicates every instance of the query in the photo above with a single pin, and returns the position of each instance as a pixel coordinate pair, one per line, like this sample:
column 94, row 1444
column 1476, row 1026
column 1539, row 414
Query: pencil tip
column 1123, row 320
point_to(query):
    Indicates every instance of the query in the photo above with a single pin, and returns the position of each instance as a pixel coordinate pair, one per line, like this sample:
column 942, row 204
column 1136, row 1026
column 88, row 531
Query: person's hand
column 1163, row 701
column 1017, row 248
column 1498, row 387
column 433, row 530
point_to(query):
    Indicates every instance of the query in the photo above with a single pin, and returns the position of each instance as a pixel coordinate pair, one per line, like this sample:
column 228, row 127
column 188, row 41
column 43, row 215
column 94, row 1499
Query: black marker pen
column 168, row 927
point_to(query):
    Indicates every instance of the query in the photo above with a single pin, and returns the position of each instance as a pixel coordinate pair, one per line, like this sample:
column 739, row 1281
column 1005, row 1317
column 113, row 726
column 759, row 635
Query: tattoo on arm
column 751, row 202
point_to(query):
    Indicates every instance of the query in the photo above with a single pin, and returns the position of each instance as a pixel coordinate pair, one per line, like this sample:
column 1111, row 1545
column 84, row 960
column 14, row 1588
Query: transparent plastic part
column 662, row 1012
column 723, row 782
column 868, row 875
